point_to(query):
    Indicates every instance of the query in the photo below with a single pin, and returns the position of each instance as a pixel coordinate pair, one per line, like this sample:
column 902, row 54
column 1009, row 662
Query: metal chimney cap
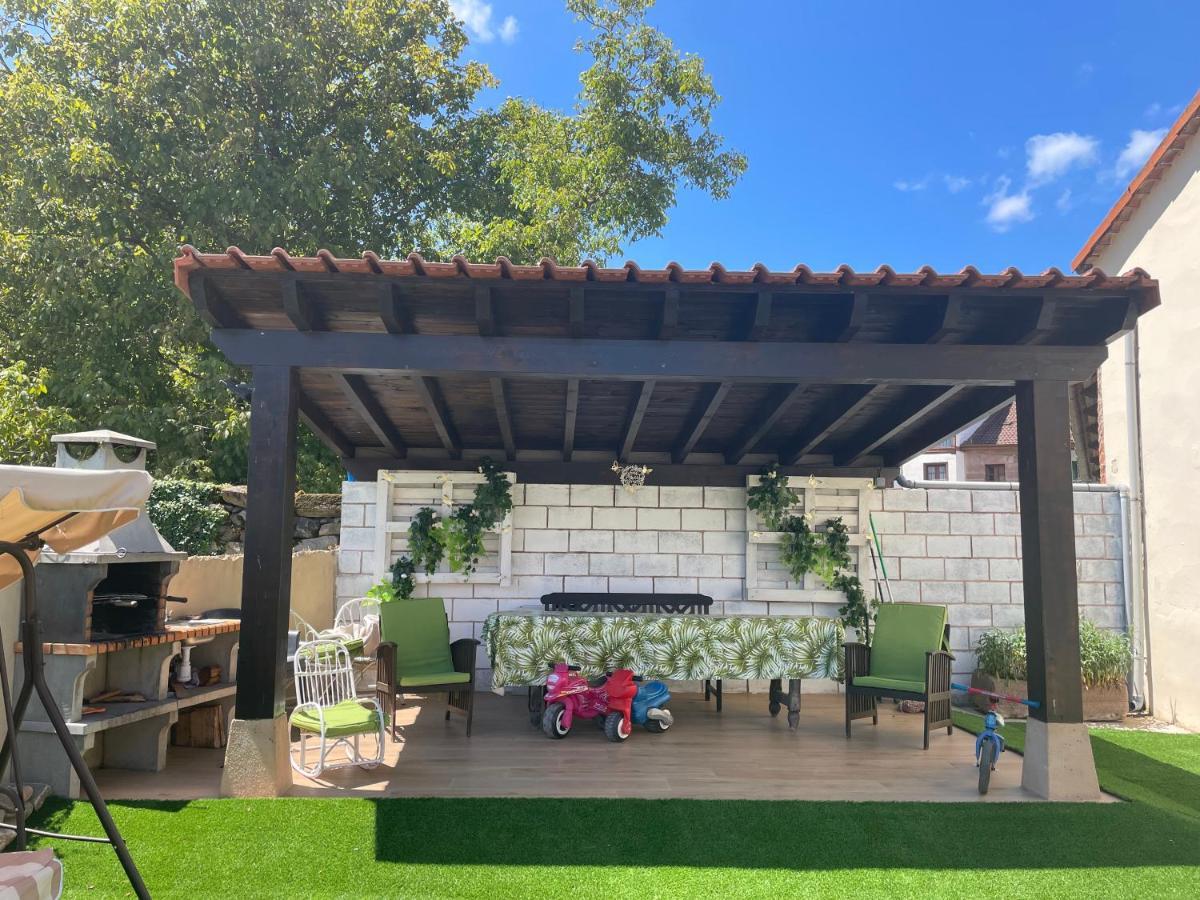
column 102, row 436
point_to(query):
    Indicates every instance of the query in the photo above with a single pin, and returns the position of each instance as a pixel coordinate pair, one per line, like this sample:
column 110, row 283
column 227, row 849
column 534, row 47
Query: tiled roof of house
column 998, row 429
column 1133, row 196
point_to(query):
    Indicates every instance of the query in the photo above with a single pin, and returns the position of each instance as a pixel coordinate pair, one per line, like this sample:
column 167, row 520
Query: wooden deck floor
column 741, row 753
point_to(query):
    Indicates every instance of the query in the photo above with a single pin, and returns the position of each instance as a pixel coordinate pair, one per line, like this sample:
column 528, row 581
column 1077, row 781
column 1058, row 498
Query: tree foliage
column 132, row 126
column 26, row 421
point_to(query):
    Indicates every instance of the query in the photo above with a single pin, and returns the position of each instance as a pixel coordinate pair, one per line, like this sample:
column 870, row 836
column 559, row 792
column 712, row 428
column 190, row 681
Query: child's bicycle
column 989, row 745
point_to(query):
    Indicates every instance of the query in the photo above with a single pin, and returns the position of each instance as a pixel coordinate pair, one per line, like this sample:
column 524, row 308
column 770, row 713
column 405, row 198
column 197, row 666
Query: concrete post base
column 256, row 759
column 1058, row 762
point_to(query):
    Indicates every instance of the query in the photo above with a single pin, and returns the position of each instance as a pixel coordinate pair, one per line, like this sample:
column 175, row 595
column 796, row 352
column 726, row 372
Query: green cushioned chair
column 907, row 660
column 416, row 656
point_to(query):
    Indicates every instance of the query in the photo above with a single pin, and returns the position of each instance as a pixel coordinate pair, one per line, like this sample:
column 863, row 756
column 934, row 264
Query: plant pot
column 1012, row 687
column 1105, row 703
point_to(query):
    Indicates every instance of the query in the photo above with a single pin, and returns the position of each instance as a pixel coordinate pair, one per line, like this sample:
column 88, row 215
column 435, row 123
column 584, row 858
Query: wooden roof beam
column 393, row 309
column 669, row 323
column 435, row 405
column 856, row 316
column 760, row 319
column 575, row 312
column 952, row 326
column 827, row 420
column 963, row 409
column 711, row 398
column 503, row 419
column 367, row 406
column 211, row 306
column 1043, row 323
column 922, row 402
column 299, row 308
column 570, row 415
column 326, row 431
column 764, row 420
column 485, row 314
column 634, row 421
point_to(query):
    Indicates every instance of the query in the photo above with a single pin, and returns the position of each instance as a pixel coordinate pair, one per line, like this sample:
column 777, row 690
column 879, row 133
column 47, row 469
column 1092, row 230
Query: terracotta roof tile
column 970, row 278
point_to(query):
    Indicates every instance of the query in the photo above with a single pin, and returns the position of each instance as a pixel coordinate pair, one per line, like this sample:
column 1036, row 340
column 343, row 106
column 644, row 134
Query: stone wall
column 316, row 527
column 958, row 547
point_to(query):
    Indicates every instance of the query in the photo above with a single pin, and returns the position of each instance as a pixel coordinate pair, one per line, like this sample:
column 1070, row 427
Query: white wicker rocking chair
column 328, row 712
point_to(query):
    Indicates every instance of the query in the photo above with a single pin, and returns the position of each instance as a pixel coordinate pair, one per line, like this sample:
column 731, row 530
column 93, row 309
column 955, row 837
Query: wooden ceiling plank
column 899, row 419
column 572, row 413
column 827, row 420
column 503, row 419
column 435, row 406
column 634, row 421
column 957, row 413
column 212, row 307
column 711, row 398
column 763, row 421
column 328, row 433
column 365, row 404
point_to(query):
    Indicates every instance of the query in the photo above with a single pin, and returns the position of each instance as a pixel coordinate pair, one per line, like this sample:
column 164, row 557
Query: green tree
column 132, row 126
column 26, row 422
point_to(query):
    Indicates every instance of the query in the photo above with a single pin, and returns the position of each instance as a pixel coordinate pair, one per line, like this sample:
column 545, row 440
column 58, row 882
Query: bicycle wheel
column 987, row 757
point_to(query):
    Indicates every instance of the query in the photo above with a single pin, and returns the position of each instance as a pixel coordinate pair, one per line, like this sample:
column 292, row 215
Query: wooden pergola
column 706, row 375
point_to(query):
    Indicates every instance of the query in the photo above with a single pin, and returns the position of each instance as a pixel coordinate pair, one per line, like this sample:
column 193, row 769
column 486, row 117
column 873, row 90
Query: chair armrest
column 858, row 660
column 385, row 664
column 462, row 654
column 937, row 671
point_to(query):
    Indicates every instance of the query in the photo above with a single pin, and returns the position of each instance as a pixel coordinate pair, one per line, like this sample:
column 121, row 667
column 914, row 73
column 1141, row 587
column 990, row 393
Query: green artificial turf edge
column 499, row 848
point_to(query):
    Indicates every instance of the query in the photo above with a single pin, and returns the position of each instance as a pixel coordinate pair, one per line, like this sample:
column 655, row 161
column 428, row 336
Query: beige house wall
column 977, row 458
column 1163, row 237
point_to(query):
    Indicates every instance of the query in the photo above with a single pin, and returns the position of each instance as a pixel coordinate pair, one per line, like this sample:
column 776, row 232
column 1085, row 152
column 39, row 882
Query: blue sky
column 895, row 132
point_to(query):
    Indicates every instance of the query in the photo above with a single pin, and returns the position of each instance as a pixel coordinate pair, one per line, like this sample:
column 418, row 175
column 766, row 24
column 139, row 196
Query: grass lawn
column 498, row 848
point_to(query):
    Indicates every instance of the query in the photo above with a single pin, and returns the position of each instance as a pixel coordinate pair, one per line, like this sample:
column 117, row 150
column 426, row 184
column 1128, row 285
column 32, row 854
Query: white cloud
column 1137, row 151
column 1153, row 110
column 956, row 183
column 477, row 16
column 1050, row 155
column 1063, row 203
column 1005, row 209
column 908, row 186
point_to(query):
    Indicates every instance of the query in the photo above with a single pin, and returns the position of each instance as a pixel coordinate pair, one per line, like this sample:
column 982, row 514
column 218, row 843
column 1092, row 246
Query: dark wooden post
column 1058, row 762
column 267, row 575
column 1048, row 548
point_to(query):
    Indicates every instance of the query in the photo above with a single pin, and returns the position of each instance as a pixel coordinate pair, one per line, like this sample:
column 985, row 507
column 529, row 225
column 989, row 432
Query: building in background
column 986, row 450
column 1149, row 422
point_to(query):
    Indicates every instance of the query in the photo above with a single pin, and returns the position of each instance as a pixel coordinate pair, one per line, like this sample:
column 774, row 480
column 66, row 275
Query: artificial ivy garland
column 457, row 538
column 826, row 553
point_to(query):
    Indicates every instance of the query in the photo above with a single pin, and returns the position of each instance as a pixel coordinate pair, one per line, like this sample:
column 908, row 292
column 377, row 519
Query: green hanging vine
column 458, row 538
column 825, row 553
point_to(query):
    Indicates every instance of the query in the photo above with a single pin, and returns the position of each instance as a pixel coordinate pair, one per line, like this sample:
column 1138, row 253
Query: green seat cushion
column 890, row 684
column 904, row 633
column 434, row 678
column 354, row 646
column 421, row 634
column 346, row 718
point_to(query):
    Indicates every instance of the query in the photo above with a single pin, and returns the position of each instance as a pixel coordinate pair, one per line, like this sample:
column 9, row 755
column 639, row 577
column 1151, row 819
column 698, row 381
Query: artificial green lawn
column 498, row 848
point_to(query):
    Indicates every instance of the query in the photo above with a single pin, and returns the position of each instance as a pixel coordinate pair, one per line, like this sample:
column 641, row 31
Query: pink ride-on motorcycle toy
column 611, row 704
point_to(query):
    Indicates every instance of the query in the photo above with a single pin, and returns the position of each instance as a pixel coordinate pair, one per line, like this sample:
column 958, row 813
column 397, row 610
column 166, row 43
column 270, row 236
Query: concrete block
column 745, row 608
column 518, row 494
column 1010, row 615
column 724, row 498
column 358, row 492
column 610, row 564
column 1017, row 592
column 569, row 517
column 547, row 541
column 528, row 563
column 358, row 539
column 948, row 545
column 460, row 630
column 681, row 496
column 916, row 568
column 700, row 565
column 256, row 755
column 631, row 585
column 566, row 564
column 1007, row 523
column 1101, row 525
column 927, row 523
column 993, row 501
column 1088, row 502
column 615, row 518
column 905, row 591
column 1058, row 763
column 1099, row 570
column 547, row 495
column 971, row 614
column 529, row 517
column 1091, row 546
column 646, row 496
column 972, row 523
column 1104, row 616
column 733, row 566
column 942, row 592
column 675, row 586
column 722, row 589
column 1005, row 569
column 592, row 541
column 451, row 589
column 1114, row 593
column 789, row 608
column 635, row 541
column 985, row 546
column 988, row 592
column 1092, row 592
column 904, row 500
column 592, row 494
column 658, row 519
column 349, row 562
column 949, row 500
column 1112, row 503
column 533, row 586
column 655, row 564
column 904, row 545
column 889, row 522
column 354, row 585
column 473, row 609
column 586, row 584
column 724, row 542
column 702, row 519
column 352, row 515
column 680, row 542
column 735, row 520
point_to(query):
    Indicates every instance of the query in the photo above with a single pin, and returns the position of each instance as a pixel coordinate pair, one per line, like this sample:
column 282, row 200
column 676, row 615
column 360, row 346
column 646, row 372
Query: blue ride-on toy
column 650, row 707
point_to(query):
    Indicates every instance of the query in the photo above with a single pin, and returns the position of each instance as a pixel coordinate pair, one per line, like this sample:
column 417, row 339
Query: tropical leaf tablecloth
column 524, row 645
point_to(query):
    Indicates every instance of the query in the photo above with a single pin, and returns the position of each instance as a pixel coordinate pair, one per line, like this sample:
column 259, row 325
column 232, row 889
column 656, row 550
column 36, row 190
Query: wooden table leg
column 790, row 700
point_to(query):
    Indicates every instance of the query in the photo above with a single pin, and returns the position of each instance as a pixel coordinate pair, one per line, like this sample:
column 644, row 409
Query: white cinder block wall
column 957, row 547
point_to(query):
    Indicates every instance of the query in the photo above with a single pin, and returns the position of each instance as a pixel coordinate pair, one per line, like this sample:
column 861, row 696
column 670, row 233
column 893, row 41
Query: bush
column 1105, row 656
column 1001, row 654
column 187, row 514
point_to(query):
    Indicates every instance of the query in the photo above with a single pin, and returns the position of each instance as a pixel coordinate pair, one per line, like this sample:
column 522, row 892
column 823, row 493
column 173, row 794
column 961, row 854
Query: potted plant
column 1105, row 659
column 1000, row 668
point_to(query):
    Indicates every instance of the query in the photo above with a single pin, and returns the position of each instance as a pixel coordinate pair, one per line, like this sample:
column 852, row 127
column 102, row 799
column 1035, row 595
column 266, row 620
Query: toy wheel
column 987, row 759
column 774, row 707
column 656, row 726
column 616, row 729
column 553, row 725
